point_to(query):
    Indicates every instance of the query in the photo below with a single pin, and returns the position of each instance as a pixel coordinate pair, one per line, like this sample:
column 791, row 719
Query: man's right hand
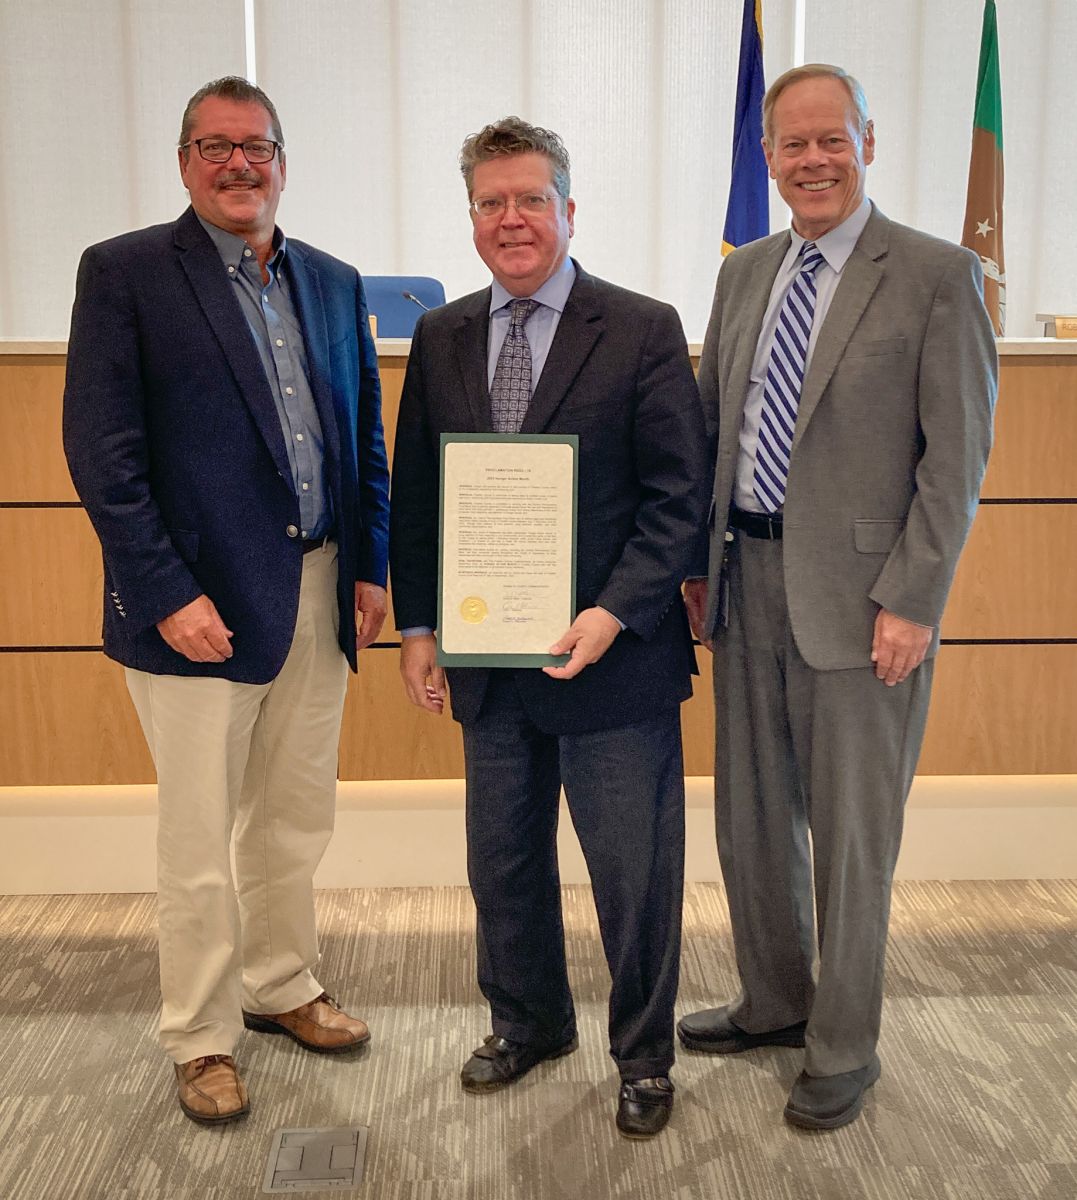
column 197, row 632
column 424, row 680
column 695, row 600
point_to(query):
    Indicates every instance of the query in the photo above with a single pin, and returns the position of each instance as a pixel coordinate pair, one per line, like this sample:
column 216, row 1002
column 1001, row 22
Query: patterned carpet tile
column 978, row 1097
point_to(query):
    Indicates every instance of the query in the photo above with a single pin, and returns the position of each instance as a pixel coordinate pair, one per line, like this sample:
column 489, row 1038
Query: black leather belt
column 757, row 525
column 310, row 544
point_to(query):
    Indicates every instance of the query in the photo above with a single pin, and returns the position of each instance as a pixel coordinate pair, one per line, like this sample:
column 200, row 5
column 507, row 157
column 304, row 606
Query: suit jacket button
column 292, row 531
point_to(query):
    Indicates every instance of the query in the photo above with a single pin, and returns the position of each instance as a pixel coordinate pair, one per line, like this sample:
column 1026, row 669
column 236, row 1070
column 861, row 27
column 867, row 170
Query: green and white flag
column 983, row 206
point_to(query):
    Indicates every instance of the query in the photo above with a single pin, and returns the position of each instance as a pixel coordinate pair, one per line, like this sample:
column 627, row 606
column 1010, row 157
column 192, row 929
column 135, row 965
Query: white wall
column 956, row 827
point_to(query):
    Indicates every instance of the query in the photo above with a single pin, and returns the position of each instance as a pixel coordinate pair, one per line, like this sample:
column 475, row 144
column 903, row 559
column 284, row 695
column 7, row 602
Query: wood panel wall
column 1005, row 681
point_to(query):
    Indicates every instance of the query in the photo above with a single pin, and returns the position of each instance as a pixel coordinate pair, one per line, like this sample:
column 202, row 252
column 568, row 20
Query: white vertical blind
column 374, row 134
column 91, row 95
column 376, row 96
column 917, row 60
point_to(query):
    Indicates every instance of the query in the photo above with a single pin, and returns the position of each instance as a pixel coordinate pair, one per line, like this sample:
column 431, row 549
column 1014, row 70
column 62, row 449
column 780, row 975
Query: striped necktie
column 785, row 375
column 510, row 389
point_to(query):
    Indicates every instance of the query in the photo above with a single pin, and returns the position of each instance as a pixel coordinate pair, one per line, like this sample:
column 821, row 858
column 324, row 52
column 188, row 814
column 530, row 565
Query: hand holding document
column 589, row 637
column 508, row 554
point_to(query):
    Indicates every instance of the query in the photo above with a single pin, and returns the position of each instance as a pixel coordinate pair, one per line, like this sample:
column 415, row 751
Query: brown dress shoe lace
column 210, row 1089
column 320, row 1025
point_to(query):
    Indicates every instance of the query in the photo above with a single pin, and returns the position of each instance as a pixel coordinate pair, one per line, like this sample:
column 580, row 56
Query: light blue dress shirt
column 541, row 325
column 278, row 336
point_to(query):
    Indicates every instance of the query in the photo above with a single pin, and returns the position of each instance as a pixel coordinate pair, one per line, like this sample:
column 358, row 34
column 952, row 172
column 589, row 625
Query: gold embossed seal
column 474, row 610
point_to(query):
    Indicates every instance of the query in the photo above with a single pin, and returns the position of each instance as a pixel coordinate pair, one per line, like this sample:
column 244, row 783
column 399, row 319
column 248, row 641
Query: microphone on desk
column 415, row 300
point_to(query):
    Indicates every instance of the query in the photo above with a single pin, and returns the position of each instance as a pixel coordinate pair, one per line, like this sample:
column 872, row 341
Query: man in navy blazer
column 611, row 367
column 222, row 422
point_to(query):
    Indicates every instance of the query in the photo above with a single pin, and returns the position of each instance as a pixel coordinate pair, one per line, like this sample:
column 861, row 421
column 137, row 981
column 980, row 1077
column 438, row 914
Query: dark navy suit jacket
column 618, row 375
column 177, row 452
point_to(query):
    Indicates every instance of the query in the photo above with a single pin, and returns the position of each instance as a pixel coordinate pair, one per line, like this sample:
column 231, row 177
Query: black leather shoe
column 644, row 1106
column 499, row 1062
column 830, row 1101
column 714, row 1033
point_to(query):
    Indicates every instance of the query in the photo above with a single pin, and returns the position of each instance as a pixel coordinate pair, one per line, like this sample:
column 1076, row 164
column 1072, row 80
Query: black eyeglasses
column 220, row 150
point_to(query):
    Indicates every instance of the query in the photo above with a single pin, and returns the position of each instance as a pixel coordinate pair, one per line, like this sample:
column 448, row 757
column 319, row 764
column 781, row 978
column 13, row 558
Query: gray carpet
column 978, row 1097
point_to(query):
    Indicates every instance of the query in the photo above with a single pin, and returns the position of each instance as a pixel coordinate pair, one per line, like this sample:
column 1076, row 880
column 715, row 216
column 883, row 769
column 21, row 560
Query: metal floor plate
column 316, row 1160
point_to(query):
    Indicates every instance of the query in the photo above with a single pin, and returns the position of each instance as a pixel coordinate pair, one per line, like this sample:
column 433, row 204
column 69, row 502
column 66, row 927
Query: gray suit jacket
column 891, row 438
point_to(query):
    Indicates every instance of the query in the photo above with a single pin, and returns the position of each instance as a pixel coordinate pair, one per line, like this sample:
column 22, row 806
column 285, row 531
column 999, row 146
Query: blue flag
column 747, row 215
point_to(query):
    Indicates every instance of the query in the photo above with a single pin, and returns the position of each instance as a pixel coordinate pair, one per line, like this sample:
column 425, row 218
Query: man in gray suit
column 849, row 375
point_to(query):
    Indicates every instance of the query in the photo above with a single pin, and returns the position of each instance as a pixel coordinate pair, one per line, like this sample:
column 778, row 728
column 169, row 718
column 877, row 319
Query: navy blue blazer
column 618, row 375
column 176, row 449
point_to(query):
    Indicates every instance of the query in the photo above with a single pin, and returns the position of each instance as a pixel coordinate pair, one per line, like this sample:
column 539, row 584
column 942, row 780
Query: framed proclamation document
column 507, row 560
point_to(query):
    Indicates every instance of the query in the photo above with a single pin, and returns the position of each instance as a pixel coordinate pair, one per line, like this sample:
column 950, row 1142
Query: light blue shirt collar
column 230, row 246
column 838, row 244
column 553, row 293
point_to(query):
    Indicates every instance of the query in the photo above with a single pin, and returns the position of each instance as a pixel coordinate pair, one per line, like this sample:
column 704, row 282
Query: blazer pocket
column 876, row 537
column 186, row 543
column 873, row 349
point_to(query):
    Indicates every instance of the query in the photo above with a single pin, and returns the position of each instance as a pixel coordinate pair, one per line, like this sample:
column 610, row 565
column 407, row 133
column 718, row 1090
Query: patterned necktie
column 510, row 391
column 785, row 375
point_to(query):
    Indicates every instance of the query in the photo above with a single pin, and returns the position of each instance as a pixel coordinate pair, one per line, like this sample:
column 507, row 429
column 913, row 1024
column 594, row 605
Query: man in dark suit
column 611, row 367
column 222, row 422
column 849, row 370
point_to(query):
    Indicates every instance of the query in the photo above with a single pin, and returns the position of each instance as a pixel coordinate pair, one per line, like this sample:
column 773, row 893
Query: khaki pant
column 261, row 758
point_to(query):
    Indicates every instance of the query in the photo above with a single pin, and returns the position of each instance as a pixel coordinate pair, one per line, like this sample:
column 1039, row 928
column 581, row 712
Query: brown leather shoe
column 319, row 1025
column 210, row 1089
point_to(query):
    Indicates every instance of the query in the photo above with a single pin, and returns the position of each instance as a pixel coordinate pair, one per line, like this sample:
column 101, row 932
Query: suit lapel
column 578, row 330
column 470, row 341
column 310, row 308
column 749, row 323
column 202, row 265
column 861, row 276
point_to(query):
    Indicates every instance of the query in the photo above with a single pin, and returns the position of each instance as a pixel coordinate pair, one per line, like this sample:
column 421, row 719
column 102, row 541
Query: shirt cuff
column 614, row 616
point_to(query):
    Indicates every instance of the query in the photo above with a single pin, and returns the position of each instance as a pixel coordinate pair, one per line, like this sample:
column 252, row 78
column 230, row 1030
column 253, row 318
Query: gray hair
column 511, row 136
column 815, row 71
column 230, row 87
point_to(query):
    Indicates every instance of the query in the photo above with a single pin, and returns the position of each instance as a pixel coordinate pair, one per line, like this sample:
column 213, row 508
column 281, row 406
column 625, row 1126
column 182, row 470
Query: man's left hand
column 588, row 638
column 898, row 646
column 695, row 601
column 371, row 605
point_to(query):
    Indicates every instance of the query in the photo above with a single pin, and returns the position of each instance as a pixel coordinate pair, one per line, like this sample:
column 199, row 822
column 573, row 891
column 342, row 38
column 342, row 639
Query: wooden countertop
column 399, row 347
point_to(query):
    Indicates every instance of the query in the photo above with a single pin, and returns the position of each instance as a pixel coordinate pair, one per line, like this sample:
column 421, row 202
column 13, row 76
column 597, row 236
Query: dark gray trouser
column 832, row 752
column 625, row 792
